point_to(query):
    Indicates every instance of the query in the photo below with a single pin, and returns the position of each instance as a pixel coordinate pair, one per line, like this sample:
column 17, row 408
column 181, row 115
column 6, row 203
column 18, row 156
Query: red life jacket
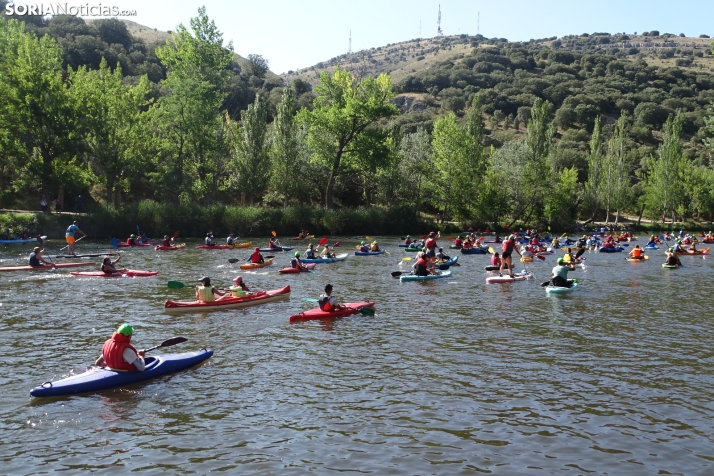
column 165, row 242
column 507, row 246
column 255, row 257
column 430, row 244
column 113, row 352
column 495, row 261
column 422, row 262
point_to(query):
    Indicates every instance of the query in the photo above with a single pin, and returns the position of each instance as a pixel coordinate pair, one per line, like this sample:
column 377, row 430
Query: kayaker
column 466, row 244
column 108, row 266
column 496, row 260
column 36, row 258
column 131, row 241
column 636, row 253
column 296, row 262
column 256, row 256
column 508, row 247
column 238, row 283
column 230, row 241
column 672, row 259
column 273, row 243
column 421, row 265
column 207, row 293
column 678, row 247
column 442, row 256
column 526, row 254
column 210, row 241
column 560, row 273
column 119, row 354
column 693, row 247
column 458, row 242
column 582, row 242
column 652, row 242
column 555, row 243
column 374, row 246
column 364, row 248
column 143, row 238
column 408, row 240
column 166, row 241
column 310, row 252
column 328, row 302
column 70, row 236
column 431, row 242
column 569, row 257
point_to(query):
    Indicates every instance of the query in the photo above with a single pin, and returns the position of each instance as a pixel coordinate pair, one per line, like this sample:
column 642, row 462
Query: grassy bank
column 194, row 220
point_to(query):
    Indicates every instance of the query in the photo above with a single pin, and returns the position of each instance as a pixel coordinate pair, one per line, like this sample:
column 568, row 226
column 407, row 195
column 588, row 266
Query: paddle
column 232, row 260
column 579, row 253
column 180, row 285
column 176, row 234
column 396, row 274
column 115, row 243
column 407, row 258
column 50, row 258
column 79, row 239
column 167, row 343
column 323, row 242
column 365, row 311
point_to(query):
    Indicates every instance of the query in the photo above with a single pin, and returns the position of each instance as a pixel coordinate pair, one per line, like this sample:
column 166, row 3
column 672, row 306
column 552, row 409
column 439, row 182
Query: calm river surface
column 450, row 377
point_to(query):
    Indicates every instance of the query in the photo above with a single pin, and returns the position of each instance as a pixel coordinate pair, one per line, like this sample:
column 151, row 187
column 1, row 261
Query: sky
column 296, row 34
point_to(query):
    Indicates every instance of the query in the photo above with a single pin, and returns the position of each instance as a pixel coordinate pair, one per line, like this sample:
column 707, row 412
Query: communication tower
column 349, row 50
column 478, row 24
column 438, row 24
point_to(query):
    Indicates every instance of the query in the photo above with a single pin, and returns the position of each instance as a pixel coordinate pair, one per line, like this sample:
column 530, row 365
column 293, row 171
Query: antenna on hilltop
column 420, row 29
column 478, row 24
column 349, row 50
column 438, row 24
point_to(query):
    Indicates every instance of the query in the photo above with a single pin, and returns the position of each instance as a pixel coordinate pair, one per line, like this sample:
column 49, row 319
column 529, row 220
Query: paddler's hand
column 141, row 353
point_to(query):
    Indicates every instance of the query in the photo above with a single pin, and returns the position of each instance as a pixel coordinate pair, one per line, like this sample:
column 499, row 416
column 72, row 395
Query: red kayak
column 253, row 299
column 124, row 244
column 58, row 265
column 129, row 273
column 320, row 314
column 309, row 267
column 214, row 247
column 170, row 248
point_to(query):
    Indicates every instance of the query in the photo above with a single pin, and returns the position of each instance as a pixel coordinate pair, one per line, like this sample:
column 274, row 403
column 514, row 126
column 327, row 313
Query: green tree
column 595, row 166
column 108, row 113
column 286, row 149
column 664, row 184
column 450, row 154
column 343, row 110
column 192, row 160
column 252, row 159
column 616, row 170
column 416, row 165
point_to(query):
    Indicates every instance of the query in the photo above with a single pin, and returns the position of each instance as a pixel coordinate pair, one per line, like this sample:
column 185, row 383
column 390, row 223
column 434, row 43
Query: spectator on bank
column 79, row 205
column 44, row 203
column 58, row 205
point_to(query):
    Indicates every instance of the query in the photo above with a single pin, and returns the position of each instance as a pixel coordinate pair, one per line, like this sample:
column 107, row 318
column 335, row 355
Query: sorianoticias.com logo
column 82, row 10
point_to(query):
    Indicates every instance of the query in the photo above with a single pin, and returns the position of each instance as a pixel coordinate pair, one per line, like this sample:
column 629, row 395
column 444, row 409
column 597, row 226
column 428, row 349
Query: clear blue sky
column 295, row 34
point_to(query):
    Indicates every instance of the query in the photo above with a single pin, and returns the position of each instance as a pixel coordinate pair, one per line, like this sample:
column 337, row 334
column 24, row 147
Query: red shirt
column 430, row 244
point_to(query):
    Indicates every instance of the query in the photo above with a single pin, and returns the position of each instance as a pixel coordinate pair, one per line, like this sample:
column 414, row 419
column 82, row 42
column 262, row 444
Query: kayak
column 644, row 258
column 648, row 247
column 124, row 244
column 564, row 249
column 246, row 244
column 279, row 248
column 214, row 247
column 340, row 257
column 526, row 259
column 95, row 255
column 229, row 302
column 449, row 262
column 309, row 267
column 129, row 273
column 560, row 289
column 474, row 251
column 100, row 378
column 320, row 314
column 370, row 253
column 413, row 250
column 58, row 265
column 413, row 277
column 612, row 250
column 299, row 238
column 454, row 247
column 703, row 251
column 170, row 248
column 23, row 240
column 670, row 266
column 267, row 262
column 507, row 279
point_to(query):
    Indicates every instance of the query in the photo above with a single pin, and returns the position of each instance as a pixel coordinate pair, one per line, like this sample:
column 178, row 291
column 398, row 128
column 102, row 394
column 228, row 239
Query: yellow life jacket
column 205, row 294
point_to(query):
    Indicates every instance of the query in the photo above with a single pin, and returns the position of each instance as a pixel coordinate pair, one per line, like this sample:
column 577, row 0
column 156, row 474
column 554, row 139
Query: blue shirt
column 71, row 230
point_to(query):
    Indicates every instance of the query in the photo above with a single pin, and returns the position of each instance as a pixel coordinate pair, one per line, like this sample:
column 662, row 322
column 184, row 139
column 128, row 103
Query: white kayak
column 522, row 276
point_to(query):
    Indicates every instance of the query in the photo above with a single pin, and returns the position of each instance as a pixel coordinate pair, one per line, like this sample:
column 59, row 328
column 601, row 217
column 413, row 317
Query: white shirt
column 131, row 358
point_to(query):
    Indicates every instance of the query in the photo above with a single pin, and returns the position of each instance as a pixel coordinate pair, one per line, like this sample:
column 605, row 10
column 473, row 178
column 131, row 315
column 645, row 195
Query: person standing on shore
column 71, row 235
column 44, row 203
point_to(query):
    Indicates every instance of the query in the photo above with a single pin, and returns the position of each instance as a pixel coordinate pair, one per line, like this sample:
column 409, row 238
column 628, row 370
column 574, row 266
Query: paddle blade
column 357, row 247
column 115, row 244
column 366, row 311
column 542, row 258
column 579, row 253
column 323, row 241
column 176, row 234
column 490, row 250
column 176, row 285
column 368, row 238
column 396, row 274
column 233, row 260
column 406, row 258
column 273, row 233
column 337, row 244
column 168, row 343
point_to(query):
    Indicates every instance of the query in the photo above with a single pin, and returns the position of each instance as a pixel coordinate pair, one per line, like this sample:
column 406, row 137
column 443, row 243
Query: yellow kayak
column 267, row 262
column 243, row 245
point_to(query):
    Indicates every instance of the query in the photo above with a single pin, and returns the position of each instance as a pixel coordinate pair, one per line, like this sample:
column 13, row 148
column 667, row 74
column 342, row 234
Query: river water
column 450, row 377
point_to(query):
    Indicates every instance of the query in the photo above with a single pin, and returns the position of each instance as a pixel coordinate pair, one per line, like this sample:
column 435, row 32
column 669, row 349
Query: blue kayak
column 474, row 251
column 100, row 378
column 369, row 253
column 279, row 248
column 617, row 249
column 448, row 262
column 340, row 257
column 20, row 241
column 414, row 277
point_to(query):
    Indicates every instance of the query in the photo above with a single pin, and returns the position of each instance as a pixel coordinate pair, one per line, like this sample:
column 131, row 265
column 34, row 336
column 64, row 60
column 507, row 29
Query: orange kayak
column 267, row 262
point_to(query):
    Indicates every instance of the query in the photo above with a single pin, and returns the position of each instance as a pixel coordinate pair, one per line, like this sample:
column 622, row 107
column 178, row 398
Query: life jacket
column 364, row 249
column 255, row 257
column 324, row 302
column 495, row 260
column 165, row 242
column 507, row 246
column 637, row 253
column 534, row 241
column 271, row 245
column 34, row 261
column 205, row 294
column 295, row 263
column 108, row 268
column 430, row 244
column 458, row 241
column 466, row 245
column 113, row 351
column 130, row 241
column 407, row 241
column 374, row 247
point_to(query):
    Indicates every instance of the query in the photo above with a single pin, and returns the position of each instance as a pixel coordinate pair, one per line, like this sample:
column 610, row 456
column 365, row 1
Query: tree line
column 180, row 139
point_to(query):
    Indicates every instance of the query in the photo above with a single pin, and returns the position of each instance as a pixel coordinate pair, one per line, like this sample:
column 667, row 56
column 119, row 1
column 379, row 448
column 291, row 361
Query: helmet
column 131, row 236
column 670, row 249
column 561, row 261
column 362, row 243
column 408, row 236
column 166, row 237
column 375, row 242
column 125, row 330
column 257, row 249
column 297, row 254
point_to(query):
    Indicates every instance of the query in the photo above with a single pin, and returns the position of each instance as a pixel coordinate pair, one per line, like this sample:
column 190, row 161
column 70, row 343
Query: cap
column 362, row 243
column 561, row 261
column 239, row 279
column 328, row 287
column 205, row 280
column 36, row 248
column 297, row 254
column 125, row 330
